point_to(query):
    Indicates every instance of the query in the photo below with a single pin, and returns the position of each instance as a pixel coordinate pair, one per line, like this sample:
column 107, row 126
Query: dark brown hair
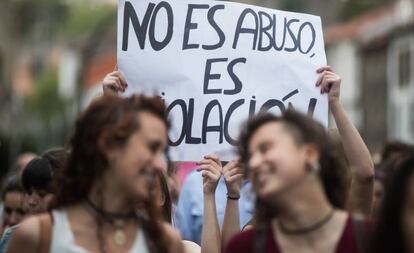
column 108, row 122
column 12, row 184
column 388, row 235
column 167, row 205
column 305, row 131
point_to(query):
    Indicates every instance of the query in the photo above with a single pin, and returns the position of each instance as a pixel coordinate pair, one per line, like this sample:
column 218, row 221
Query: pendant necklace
column 116, row 220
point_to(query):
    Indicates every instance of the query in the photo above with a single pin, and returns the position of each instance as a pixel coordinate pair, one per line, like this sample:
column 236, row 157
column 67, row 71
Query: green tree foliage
column 293, row 5
column 84, row 18
column 352, row 8
column 46, row 113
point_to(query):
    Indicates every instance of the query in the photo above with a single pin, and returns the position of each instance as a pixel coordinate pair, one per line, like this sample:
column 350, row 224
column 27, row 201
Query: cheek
column 288, row 164
column 47, row 200
column 6, row 216
column 131, row 162
column 408, row 221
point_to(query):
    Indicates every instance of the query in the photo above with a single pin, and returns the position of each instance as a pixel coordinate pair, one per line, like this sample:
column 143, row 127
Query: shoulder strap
column 360, row 233
column 259, row 243
column 46, row 224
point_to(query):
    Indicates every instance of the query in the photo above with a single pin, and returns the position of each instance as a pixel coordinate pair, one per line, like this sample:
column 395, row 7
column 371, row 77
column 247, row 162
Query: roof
column 373, row 24
column 98, row 67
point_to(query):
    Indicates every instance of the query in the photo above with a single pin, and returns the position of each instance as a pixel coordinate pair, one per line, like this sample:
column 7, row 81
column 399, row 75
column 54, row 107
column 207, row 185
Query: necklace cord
column 307, row 229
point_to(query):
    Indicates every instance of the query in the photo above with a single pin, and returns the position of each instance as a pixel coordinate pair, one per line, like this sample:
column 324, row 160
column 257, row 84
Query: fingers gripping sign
column 233, row 175
column 114, row 83
column 329, row 82
column 211, row 170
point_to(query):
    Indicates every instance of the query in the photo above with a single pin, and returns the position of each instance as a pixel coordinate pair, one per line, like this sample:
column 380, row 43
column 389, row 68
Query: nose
column 160, row 163
column 13, row 219
column 33, row 200
column 255, row 161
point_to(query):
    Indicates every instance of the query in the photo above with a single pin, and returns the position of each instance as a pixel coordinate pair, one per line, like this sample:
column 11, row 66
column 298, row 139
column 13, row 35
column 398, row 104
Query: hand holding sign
column 114, row 83
column 330, row 83
column 210, row 168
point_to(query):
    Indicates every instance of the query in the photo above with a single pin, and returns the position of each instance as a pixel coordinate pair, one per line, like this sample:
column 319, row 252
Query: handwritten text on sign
column 218, row 63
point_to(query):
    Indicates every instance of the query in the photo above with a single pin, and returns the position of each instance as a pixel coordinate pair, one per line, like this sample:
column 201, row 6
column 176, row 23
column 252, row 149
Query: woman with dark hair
column 163, row 196
column 294, row 172
column 352, row 193
column 395, row 228
column 37, row 183
column 37, row 178
column 12, row 197
column 118, row 146
column 14, row 211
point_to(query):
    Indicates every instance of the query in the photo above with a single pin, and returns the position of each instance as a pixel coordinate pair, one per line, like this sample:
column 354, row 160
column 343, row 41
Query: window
column 404, row 66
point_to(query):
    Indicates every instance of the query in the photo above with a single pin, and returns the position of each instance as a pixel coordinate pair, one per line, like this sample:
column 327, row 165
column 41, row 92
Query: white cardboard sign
column 217, row 63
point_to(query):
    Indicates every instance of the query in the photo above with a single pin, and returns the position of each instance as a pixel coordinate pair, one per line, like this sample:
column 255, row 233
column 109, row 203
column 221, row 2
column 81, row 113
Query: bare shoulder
column 174, row 237
column 171, row 232
column 191, row 247
column 26, row 236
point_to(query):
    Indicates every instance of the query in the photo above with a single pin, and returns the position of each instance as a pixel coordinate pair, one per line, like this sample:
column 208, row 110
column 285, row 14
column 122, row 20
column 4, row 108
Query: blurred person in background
column 37, row 183
column 164, row 200
column 14, row 209
column 21, row 161
column 395, row 224
column 213, row 240
column 190, row 208
column 12, row 196
column 395, row 150
column 37, row 179
column 392, row 154
column 104, row 202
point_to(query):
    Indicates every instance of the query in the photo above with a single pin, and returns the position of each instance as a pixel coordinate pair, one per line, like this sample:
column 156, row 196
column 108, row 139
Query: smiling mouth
column 148, row 174
column 261, row 178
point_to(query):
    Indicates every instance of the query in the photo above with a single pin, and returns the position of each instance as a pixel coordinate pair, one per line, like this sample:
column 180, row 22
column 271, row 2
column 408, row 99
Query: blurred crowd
column 295, row 186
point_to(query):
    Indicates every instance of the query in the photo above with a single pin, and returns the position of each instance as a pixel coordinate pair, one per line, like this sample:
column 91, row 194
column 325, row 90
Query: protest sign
column 217, row 63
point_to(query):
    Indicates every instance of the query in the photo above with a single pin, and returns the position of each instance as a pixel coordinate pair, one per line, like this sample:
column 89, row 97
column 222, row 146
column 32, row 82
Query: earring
column 315, row 167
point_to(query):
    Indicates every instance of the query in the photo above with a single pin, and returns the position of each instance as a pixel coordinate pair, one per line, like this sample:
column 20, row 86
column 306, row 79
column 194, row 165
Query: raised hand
column 233, row 175
column 114, row 83
column 330, row 83
column 211, row 170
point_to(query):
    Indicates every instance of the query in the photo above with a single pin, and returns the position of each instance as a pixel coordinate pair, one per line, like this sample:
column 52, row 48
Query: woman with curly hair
column 117, row 148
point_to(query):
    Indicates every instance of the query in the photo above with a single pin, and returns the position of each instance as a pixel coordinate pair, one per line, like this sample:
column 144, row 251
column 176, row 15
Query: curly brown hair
column 108, row 121
column 304, row 130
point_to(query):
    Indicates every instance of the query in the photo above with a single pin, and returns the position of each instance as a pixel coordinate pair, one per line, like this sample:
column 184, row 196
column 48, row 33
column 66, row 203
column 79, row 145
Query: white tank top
column 63, row 240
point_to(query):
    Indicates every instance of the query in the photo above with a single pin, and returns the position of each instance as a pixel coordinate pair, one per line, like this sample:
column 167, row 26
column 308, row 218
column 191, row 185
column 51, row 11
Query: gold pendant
column 119, row 238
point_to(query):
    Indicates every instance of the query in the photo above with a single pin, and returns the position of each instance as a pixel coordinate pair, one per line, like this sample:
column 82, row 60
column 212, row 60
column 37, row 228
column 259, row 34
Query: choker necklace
column 308, row 229
column 117, row 220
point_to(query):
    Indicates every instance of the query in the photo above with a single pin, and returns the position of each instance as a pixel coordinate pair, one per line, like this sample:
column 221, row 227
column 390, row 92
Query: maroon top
column 244, row 241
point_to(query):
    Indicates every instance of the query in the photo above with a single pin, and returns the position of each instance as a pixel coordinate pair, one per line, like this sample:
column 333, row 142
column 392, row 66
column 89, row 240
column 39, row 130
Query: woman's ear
column 107, row 148
column 162, row 200
column 312, row 154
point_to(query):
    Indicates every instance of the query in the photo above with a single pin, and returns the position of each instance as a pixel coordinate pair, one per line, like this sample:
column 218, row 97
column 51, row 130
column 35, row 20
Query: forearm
column 360, row 198
column 360, row 162
column 231, row 222
column 211, row 238
column 356, row 151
